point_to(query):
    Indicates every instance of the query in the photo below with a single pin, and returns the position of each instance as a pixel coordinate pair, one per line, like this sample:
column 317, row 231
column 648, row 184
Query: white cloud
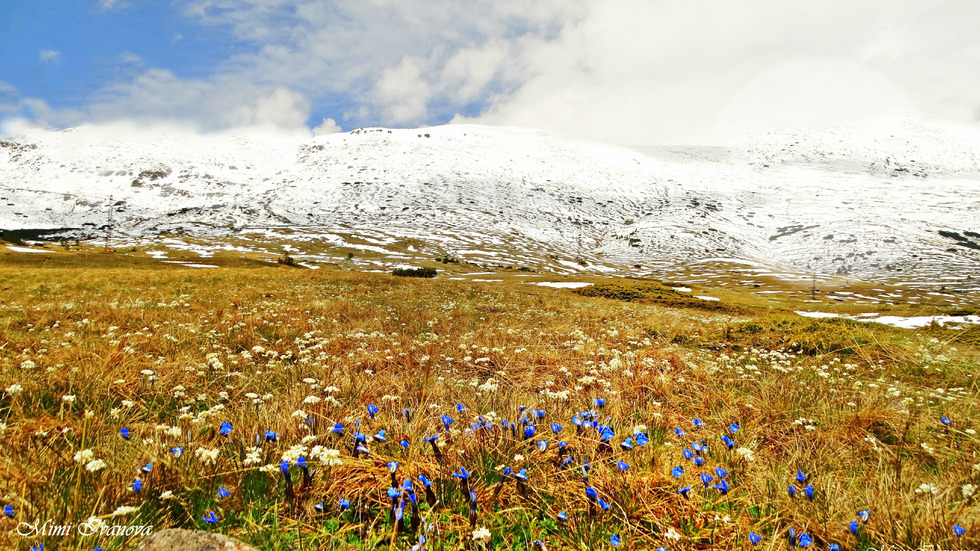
column 9, row 98
column 131, row 59
column 156, row 96
column 112, row 4
column 624, row 71
column 49, row 55
column 328, row 126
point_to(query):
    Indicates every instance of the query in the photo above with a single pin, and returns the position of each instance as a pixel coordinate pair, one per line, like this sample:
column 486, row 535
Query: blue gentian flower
column 946, row 421
column 407, row 486
column 733, row 428
column 805, row 540
column 614, row 540
column 137, row 485
column 556, row 428
column 425, row 481
column 223, row 492
column 540, row 413
column 958, row 530
column 603, row 505
column 706, row 479
column 606, row 433
column 338, row 429
column 720, row 472
column 627, row 444
column 800, row 477
column 447, row 420
column 521, row 475
column 791, row 490
column 40, row 547
column 178, row 451
column 529, row 431
column 408, row 415
column 372, row 410
column 591, row 493
column 403, row 443
column 722, row 486
column 461, row 408
column 124, row 432
column 210, row 517
column 318, row 507
column 679, row 432
column 754, row 538
column 284, row 467
column 225, row 428
column 698, row 461
column 853, row 527
column 147, row 468
column 729, row 443
column 344, row 504
column 392, row 466
column 684, row 491
column 543, row 445
column 809, row 492
column 380, row 437
column 462, row 474
column 563, row 516
column 271, row 436
column 864, row 515
column 566, row 461
column 676, row 472
column 698, row 423
column 688, row 454
column 393, row 493
column 833, row 547
column 599, row 402
column 623, row 466
column 8, row 511
column 642, row 439
column 301, row 463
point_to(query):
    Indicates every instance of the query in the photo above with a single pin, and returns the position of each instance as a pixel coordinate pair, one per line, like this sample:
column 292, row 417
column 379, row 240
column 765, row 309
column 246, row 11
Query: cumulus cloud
column 328, row 126
column 623, row 71
column 156, row 96
column 49, row 55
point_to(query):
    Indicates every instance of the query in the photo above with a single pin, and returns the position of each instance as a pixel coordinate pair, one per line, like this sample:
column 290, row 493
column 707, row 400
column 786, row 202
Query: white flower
column 95, row 465
column 27, row 364
column 294, row 453
column 253, row 457
column 311, row 400
column 123, row 510
column 481, row 535
column 746, row 453
column 14, row 389
column 207, row 456
column 327, row 456
column 69, row 398
column 925, row 488
column 167, row 495
column 84, row 456
column 968, row 490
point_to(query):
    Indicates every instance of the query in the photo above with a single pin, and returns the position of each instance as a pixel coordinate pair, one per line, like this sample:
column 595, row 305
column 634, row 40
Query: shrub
column 414, row 272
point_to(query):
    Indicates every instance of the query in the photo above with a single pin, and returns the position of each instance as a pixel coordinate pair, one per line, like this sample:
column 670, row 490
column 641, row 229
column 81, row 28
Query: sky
column 630, row 72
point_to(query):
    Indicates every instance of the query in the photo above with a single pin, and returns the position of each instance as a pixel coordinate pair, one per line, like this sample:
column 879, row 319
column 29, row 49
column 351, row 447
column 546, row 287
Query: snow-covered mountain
column 900, row 200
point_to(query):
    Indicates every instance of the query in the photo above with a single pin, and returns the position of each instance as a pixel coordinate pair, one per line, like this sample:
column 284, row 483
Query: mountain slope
column 872, row 206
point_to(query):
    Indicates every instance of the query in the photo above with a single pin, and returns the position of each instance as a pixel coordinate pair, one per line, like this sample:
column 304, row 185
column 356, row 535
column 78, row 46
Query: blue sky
column 622, row 71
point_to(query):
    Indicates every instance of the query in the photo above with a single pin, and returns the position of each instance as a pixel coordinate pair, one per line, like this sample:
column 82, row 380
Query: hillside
column 867, row 205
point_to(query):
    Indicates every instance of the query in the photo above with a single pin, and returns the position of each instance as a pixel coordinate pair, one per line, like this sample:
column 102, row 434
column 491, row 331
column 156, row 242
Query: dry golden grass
column 172, row 353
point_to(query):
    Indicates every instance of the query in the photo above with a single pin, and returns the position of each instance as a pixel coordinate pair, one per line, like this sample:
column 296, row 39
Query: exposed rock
column 176, row 539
